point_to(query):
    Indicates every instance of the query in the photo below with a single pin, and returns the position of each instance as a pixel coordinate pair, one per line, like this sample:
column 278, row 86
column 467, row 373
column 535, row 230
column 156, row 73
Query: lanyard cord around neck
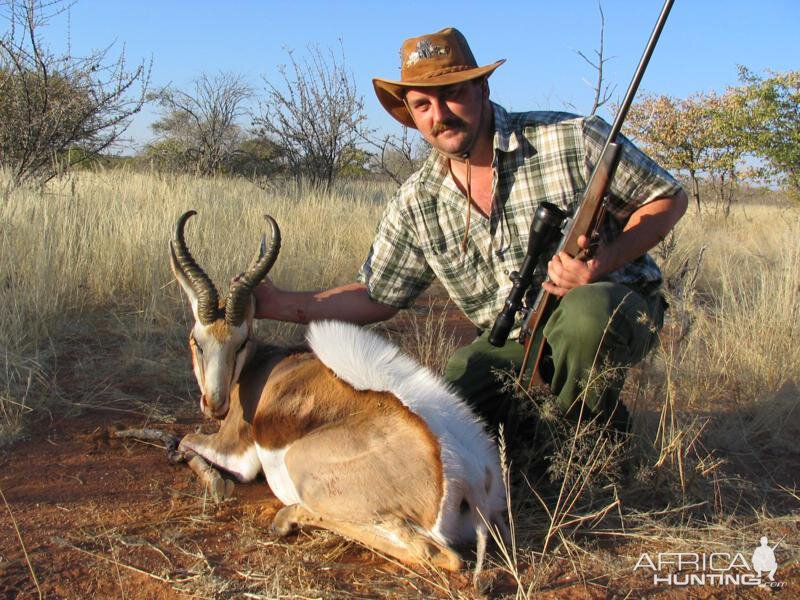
column 469, row 207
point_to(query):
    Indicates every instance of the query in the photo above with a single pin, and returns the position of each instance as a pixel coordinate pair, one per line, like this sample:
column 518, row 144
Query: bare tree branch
column 58, row 110
column 202, row 124
column 315, row 117
column 602, row 91
column 397, row 156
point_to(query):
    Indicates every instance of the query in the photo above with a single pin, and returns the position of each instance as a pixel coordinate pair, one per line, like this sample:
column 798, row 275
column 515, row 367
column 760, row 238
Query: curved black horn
column 240, row 290
column 203, row 287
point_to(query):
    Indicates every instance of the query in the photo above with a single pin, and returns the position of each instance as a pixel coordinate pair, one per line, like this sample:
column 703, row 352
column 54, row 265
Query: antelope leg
column 218, row 487
column 154, row 435
column 393, row 537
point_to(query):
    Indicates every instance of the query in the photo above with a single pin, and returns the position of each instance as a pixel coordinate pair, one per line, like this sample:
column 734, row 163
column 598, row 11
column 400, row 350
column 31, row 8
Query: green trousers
column 595, row 333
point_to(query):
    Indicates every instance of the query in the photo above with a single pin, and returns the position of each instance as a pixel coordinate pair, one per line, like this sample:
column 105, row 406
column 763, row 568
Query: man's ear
column 485, row 87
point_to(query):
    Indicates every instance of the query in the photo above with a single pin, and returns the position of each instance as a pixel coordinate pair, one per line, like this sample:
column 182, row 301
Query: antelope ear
column 250, row 310
column 182, row 279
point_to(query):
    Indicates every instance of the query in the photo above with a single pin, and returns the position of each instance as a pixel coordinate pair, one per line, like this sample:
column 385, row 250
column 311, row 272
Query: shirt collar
column 505, row 138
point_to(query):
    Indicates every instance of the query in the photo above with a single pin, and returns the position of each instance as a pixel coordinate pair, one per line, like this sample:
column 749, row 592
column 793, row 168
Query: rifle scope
column 545, row 230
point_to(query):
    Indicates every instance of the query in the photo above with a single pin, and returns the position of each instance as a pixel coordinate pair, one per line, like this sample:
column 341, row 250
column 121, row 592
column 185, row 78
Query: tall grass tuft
column 745, row 305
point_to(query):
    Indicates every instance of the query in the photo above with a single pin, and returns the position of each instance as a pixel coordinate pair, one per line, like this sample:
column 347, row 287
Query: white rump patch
column 245, row 466
column 469, row 456
column 277, row 474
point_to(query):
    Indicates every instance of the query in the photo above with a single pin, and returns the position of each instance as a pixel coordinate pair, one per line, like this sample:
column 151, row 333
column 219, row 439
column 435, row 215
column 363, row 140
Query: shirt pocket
column 466, row 277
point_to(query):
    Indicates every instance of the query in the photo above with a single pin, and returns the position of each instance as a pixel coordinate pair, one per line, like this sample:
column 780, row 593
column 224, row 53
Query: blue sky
column 701, row 45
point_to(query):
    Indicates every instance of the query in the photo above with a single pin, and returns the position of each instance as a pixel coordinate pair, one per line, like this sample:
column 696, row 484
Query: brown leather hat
column 440, row 58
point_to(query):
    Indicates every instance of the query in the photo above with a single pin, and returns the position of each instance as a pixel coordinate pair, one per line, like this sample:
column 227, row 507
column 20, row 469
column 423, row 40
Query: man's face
column 449, row 116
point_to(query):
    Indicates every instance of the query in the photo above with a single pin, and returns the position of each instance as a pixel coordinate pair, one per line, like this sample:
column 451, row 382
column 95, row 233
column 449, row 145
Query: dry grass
column 85, row 272
column 424, row 333
column 745, row 305
column 91, row 316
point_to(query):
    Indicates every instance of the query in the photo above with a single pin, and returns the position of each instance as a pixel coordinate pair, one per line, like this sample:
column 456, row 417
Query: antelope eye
column 195, row 345
column 242, row 345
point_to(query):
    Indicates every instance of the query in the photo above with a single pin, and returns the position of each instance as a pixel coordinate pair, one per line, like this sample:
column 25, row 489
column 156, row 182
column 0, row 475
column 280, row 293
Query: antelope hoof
column 439, row 556
column 444, row 558
column 220, row 488
column 216, row 489
column 284, row 522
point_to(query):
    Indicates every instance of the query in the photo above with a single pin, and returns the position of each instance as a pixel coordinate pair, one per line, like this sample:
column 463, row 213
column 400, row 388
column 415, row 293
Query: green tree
column 674, row 133
column 167, row 154
column 354, row 163
column 696, row 136
column 769, row 117
column 256, row 157
column 726, row 147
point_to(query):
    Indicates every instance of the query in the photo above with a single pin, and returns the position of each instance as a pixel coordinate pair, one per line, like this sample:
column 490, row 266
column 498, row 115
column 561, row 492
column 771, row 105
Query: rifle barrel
column 637, row 76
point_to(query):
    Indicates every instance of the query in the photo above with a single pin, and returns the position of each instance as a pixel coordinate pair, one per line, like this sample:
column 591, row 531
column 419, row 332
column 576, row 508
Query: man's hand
column 565, row 272
column 646, row 226
column 266, row 297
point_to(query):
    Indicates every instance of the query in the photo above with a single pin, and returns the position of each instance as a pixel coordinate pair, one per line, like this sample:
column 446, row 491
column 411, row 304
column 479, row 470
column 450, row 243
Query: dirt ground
column 106, row 518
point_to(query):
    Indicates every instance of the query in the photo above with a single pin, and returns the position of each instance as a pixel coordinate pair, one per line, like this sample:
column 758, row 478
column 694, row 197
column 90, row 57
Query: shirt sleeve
column 395, row 270
column 638, row 179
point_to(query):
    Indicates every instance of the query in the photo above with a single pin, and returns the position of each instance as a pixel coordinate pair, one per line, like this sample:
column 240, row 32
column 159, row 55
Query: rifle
column 549, row 221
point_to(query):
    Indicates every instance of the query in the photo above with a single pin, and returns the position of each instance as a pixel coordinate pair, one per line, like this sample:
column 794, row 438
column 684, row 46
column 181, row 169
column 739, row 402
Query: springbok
column 352, row 435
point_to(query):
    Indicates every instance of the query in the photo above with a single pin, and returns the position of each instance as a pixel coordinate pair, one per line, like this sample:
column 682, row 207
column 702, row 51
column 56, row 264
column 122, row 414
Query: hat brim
column 390, row 93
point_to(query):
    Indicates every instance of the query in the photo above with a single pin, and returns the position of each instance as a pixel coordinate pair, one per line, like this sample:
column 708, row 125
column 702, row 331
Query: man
column 464, row 218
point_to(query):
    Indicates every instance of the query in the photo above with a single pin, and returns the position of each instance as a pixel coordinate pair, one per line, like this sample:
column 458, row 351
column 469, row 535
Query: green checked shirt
column 537, row 156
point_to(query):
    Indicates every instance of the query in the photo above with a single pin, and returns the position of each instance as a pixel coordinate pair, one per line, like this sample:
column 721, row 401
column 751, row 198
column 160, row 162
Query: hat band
column 447, row 70
column 439, row 72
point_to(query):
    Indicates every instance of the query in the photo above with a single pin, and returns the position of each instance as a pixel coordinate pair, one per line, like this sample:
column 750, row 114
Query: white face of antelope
column 220, row 340
column 219, row 352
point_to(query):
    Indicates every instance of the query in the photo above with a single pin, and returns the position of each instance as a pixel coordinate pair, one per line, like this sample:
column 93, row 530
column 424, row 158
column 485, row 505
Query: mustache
column 442, row 126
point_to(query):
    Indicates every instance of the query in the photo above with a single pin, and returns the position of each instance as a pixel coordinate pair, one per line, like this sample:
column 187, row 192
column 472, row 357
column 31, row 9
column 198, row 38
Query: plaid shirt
column 537, row 156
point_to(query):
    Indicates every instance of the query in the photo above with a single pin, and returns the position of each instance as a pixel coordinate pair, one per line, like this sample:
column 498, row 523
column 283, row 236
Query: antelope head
column 220, row 340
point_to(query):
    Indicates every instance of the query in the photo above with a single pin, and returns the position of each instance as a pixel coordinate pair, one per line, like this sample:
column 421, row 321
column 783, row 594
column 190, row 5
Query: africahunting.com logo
column 716, row 568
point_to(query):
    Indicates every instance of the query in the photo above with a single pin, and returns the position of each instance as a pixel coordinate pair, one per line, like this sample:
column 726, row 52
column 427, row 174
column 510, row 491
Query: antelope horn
column 203, row 287
column 240, row 290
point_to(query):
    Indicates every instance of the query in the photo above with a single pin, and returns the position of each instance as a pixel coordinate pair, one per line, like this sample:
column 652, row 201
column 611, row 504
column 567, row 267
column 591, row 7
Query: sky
column 699, row 50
